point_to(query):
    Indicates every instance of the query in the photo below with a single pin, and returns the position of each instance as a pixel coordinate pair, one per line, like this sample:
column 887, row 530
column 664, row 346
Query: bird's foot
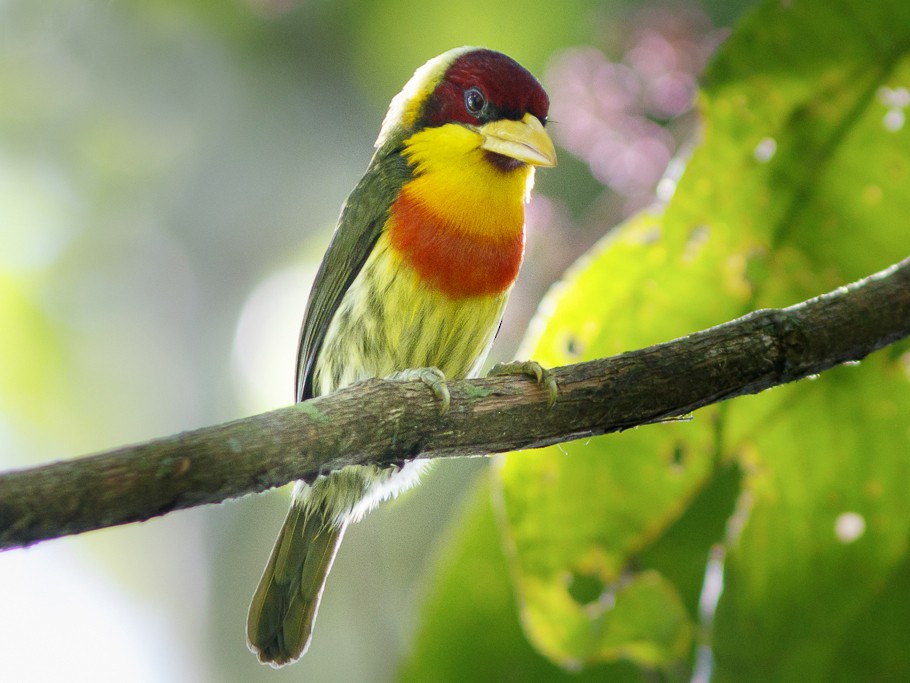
column 433, row 378
column 532, row 369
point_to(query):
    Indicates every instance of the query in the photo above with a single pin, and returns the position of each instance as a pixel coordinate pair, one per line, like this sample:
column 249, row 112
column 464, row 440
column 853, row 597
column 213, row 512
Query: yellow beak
column 525, row 140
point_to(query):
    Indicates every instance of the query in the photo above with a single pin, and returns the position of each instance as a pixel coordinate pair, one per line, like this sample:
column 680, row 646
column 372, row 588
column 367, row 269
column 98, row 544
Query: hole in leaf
column 585, row 588
column 678, row 457
column 573, row 347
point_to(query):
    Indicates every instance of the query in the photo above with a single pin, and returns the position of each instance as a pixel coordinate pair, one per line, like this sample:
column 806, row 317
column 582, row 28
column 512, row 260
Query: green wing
column 362, row 220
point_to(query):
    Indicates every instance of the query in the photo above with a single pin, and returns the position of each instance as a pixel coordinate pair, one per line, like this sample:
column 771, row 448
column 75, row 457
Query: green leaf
column 796, row 152
column 828, row 457
column 827, row 517
column 591, row 509
column 470, row 625
column 872, row 647
column 798, row 147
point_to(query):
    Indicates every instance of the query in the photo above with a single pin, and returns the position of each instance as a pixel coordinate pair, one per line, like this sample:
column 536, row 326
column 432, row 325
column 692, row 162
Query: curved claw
column 532, row 369
column 434, row 379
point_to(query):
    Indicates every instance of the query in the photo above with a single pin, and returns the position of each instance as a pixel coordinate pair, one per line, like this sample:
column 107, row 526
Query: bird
column 412, row 286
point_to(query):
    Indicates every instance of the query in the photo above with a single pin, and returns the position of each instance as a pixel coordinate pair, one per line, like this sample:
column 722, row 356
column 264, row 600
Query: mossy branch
column 389, row 422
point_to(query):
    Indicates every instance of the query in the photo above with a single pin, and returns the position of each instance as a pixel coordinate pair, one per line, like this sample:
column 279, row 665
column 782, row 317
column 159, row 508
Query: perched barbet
column 413, row 285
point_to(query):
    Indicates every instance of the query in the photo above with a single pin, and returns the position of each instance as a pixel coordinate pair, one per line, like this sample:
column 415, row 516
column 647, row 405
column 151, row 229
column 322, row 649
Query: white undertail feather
column 355, row 491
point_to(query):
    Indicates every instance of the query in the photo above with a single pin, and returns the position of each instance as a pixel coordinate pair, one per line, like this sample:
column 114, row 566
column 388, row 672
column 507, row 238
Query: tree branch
column 389, row 422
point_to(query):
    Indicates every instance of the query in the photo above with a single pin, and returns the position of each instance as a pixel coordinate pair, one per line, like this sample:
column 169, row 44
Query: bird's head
column 471, row 102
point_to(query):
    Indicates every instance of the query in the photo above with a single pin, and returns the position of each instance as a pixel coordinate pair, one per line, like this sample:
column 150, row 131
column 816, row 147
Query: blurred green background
column 169, row 178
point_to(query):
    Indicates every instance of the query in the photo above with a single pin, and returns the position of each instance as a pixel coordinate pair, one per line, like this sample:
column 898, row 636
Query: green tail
column 284, row 606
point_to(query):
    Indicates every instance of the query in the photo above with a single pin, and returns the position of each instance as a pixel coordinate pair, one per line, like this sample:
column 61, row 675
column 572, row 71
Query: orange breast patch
column 454, row 261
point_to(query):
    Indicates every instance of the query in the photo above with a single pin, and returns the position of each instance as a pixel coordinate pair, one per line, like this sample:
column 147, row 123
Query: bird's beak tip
column 524, row 140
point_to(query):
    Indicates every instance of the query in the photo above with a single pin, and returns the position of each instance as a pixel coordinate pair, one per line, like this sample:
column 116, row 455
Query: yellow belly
column 389, row 320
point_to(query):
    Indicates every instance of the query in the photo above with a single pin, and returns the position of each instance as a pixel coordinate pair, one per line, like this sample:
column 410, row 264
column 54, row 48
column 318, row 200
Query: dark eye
column 474, row 101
